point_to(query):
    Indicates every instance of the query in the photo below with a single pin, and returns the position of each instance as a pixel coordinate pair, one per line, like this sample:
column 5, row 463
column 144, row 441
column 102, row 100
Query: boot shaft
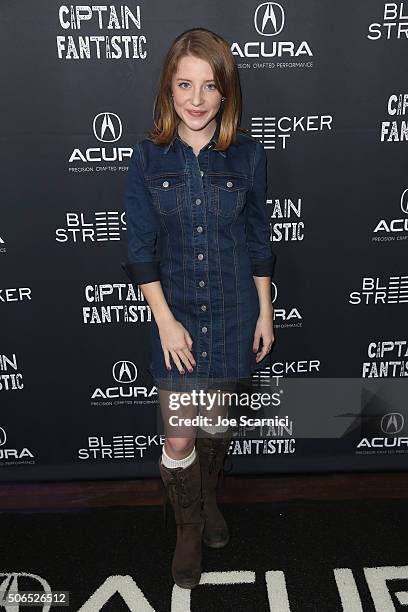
column 183, row 488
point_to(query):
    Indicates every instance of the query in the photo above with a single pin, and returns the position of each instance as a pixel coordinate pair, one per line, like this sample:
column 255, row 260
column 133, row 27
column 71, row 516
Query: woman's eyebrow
column 207, row 81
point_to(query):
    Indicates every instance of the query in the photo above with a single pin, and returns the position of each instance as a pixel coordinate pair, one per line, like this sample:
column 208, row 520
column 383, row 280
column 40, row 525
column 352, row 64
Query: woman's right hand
column 176, row 340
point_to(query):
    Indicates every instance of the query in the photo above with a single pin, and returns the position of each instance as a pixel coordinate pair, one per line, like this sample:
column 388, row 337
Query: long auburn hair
column 208, row 46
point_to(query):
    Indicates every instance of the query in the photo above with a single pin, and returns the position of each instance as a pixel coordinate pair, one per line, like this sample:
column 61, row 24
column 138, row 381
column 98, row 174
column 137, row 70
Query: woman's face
column 194, row 89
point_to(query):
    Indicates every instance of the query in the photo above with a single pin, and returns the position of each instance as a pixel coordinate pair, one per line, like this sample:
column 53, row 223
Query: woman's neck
column 197, row 139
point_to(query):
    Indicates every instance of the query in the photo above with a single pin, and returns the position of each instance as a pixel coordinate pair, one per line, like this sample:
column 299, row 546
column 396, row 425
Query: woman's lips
column 196, row 113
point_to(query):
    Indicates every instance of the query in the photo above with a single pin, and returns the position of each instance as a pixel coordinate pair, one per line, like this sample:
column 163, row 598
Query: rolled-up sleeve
column 258, row 229
column 143, row 262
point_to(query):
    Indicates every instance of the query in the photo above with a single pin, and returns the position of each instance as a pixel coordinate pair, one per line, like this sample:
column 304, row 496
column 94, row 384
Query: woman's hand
column 176, row 340
column 264, row 330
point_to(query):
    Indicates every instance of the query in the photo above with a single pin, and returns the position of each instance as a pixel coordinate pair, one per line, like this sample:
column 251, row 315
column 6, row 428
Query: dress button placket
column 200, row 239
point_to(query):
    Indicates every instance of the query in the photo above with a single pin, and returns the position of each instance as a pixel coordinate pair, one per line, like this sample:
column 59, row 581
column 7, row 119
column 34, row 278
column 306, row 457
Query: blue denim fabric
column 199, row 225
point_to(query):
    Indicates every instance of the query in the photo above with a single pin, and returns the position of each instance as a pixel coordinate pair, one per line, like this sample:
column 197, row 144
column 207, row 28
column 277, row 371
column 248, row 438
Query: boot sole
column 187, row 585
column 216, row 544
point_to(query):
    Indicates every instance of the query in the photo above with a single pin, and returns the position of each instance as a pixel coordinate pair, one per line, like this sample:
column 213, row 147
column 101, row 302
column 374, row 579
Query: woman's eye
column 211, row 86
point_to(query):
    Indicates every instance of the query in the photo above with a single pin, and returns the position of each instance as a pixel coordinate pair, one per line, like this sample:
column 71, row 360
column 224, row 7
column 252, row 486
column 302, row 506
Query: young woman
column 199, row 248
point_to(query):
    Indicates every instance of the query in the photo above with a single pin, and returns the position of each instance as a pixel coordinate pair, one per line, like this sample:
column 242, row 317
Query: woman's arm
column 263, row 286
column 153, row 293
column 262, row 256
column 143, row 265
column 258, row 230
column 264, row 325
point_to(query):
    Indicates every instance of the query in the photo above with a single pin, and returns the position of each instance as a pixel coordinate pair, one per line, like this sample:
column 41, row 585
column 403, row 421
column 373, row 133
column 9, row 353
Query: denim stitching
column 238, row 305
column 169, row 259
column 224, row 353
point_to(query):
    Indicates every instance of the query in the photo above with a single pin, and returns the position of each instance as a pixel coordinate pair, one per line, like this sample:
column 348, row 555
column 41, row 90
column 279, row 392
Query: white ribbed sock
column 175, row 463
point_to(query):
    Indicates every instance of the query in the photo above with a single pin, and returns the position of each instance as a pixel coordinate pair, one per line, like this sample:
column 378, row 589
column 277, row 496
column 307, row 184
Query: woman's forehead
column 193, row 67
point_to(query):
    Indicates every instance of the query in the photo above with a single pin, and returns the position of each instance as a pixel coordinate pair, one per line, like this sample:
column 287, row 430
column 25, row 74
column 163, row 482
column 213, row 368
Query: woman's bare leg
column 216, row 407
column 180, row 439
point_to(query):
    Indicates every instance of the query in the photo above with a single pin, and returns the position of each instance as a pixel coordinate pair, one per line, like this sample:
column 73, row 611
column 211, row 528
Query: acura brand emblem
column 124, row 372
column 107, row 127
column 392, row 423
column 404, row 201
column 269, row 19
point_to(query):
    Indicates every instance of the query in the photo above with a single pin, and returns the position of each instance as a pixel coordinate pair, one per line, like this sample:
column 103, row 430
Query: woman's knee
column 180, row 445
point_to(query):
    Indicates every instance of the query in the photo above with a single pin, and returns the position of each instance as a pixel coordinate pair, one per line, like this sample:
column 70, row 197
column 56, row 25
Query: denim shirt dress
column 199, row 225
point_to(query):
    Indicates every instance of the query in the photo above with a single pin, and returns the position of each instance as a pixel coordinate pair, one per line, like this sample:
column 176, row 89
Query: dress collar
column 210, row 144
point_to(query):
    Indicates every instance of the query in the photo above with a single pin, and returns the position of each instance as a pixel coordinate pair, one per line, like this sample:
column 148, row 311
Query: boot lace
column 177, row 481
column 213, row 463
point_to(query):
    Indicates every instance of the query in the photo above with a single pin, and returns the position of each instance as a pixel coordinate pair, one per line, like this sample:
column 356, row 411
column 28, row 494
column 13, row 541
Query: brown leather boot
column 212, row 452
column 183, row 488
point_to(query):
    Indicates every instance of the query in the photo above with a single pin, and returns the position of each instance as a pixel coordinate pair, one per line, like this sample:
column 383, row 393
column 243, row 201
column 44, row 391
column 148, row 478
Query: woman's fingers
column 167, row 359
column 265, row 349
column 184, row 355
column 262, row 354
column 183, row 358
column 177, row 342
column 177, row 361
column 187, row 351
column 257, row 337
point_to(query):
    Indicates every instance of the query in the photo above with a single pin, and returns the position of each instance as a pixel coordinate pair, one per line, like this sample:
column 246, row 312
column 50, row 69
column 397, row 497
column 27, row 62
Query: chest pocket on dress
column 167, row 192
column 228, row 194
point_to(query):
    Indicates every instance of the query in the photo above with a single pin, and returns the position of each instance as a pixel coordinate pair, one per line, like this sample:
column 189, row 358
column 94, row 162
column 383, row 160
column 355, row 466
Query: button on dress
column 199, row 225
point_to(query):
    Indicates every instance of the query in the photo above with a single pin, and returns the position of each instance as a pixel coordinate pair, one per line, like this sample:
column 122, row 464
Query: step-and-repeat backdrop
column 325, row 90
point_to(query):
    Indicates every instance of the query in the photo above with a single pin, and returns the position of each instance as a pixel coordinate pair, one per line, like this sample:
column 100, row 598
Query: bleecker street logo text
column 394, row 23
column 374, row 290
column 15, row 294
column 91, row 27
column 98, row 226
column 273, row 132
column 119, row 447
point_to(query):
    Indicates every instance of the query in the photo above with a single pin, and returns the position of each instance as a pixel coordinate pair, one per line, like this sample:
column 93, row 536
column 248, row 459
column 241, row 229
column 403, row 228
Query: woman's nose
column 197, row 96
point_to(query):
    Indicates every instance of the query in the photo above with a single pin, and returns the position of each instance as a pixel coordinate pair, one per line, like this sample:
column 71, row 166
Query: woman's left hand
column 264, row 330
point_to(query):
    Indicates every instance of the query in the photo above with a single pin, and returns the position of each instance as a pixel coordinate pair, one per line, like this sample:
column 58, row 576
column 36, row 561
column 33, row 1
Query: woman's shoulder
column 245, row 139
column 146, row 151
column 145, row 142
column 149, row 150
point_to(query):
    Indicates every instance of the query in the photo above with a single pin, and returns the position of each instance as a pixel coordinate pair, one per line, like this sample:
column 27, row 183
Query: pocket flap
column 167, row 181
column 229, row 182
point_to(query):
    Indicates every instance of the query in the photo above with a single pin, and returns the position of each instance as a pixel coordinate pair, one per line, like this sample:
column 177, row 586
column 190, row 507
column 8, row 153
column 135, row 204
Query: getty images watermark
column 218, row 402
column 370, row 411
